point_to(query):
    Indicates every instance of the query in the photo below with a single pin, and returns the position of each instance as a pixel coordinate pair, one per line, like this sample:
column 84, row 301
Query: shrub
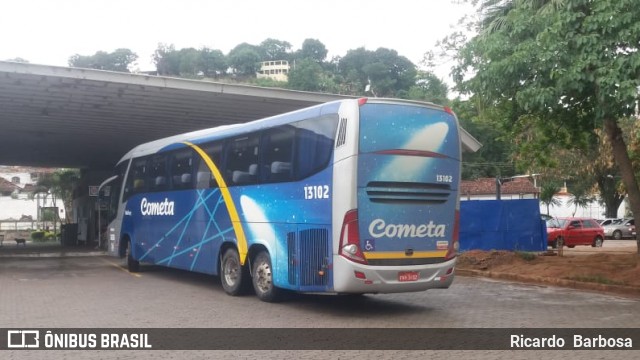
column 527, row 256
column 37, row 236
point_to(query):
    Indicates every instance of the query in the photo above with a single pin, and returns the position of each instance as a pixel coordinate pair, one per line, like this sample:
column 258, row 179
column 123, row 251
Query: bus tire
column 133, row 265
column 233, row 276
column 262, row 279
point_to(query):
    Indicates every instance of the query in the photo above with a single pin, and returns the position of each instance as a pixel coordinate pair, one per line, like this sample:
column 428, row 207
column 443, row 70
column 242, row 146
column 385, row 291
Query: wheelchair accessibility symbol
column 369, row 245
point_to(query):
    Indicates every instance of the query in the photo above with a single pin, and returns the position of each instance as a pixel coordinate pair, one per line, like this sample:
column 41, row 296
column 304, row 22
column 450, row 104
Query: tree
column 312, row 49
column 547, row 195
column 213, row 62
column 580, row 197
column 61, row 183
column 119, row 60
column 245, row 59
column 272, row 49
column 428, row 87
column 574, row 66
column 383, row 72
column 167, row 60
column 190, row 64
column 305, row 76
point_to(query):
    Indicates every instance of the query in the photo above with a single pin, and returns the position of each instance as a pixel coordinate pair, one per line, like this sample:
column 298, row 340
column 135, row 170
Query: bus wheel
column 263, row 279
column 233, row 276
column 132, row 264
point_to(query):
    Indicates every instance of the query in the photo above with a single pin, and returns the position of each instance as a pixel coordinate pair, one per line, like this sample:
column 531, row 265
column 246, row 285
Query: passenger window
column 204, row 177
column 136, row 178
column 242, row 160
column 182, row 169
column 278, row 154
column 158, row 178
column 314, row 144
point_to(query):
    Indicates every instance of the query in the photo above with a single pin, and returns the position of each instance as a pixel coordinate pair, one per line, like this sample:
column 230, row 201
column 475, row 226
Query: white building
column 277, row 70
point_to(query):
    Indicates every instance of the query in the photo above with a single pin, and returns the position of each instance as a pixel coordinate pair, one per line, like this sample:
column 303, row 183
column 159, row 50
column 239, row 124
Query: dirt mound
column 602, row 268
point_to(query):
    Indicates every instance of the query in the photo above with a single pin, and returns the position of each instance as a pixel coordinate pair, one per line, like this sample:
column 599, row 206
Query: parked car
column 571, row 231
column 608, row 221
column 620, row 229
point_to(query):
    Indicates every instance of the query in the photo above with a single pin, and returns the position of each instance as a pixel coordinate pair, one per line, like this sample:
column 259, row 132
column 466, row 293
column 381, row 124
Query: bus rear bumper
column 351, row 277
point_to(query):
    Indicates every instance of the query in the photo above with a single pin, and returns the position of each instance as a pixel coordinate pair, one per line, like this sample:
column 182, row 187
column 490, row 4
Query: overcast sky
column 50, row 31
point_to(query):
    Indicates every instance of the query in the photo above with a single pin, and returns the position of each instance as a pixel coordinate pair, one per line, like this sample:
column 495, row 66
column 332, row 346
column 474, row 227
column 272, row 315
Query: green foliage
column 383, row 70
column 245, row 59
column 494, row 157
column 526, row 256
column 272, row 49
column 428, row 87
column 189, row 62
column 559, row 69
column 312, row 49
column 119, row 60
column 547, row 195
column 61, row 183
column 305, row 76
column 37, row 236
column 42, row 236
column 267, row 82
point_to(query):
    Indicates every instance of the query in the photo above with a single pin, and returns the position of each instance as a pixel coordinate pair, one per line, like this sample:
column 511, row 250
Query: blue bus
column 349, row 197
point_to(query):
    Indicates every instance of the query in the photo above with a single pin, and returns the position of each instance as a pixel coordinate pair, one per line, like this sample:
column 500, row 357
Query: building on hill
column 277, row 70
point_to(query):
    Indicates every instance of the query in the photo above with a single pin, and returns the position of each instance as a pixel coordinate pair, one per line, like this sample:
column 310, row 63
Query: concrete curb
column 580, row 285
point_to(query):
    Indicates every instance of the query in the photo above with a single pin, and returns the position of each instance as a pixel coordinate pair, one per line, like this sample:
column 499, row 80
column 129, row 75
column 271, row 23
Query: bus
column 352, row 196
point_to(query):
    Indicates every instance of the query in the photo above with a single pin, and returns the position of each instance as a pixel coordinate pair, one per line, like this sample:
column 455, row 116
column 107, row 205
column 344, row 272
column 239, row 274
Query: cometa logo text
column 379, row 228
column 162, row 208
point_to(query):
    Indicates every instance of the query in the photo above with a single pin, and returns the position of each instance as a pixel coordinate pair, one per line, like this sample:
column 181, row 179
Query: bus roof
column 205, row 135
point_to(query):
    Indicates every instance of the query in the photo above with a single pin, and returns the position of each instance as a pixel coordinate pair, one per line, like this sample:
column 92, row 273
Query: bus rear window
column 385, row 127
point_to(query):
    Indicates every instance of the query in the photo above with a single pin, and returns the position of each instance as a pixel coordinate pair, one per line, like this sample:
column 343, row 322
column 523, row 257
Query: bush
column 37, row 236
column 527, row 256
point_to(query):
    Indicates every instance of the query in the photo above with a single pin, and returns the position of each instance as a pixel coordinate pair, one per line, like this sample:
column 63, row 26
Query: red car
column 572, row 231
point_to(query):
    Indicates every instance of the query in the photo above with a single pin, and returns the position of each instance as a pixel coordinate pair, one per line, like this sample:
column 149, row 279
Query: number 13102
column 316, row 192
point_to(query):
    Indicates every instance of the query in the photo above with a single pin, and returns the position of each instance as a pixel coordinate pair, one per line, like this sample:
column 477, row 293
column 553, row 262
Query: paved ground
column 84, row 289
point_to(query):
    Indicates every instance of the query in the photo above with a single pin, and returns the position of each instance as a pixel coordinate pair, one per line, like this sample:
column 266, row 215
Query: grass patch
column 526, row 256
column 598, row 279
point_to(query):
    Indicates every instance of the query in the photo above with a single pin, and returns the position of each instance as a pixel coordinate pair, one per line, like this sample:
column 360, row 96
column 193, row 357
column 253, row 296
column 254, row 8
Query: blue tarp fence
column 502, row 225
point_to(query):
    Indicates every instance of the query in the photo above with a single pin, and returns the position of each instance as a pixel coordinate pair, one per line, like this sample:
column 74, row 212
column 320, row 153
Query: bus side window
column 157, row 177
column 204, row 178
column 242, row 160
column 182, row 169
column 314, row 145
column 136, row 179
column 278, row 154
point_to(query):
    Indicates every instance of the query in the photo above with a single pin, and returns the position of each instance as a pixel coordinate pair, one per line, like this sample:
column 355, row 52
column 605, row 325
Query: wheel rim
column 598, row 242
column 263, row 277
column 231, row 271
column 617, row 235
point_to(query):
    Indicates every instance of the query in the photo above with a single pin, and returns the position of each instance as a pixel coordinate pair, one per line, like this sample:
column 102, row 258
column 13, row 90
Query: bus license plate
column 408, row 276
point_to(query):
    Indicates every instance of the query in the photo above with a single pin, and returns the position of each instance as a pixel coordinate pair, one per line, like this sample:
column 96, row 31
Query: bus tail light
column 350, row 238
column 453, row 248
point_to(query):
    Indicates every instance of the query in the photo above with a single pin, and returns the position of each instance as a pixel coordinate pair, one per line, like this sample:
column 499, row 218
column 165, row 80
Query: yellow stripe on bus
column 228, row 201
column 383, row 255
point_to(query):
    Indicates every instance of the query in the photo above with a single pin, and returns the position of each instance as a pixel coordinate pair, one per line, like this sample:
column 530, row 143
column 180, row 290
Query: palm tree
column 547, row 195
column 580, row 198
